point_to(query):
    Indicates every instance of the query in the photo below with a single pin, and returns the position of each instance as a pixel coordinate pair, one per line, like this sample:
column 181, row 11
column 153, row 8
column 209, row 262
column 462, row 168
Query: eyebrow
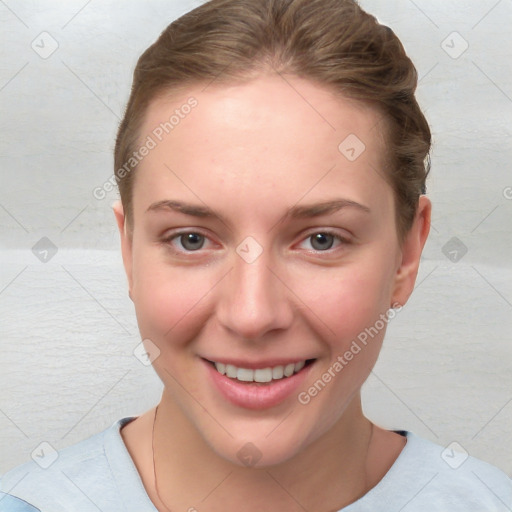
column 185, row 208
column 318, row 209
column 306, row 211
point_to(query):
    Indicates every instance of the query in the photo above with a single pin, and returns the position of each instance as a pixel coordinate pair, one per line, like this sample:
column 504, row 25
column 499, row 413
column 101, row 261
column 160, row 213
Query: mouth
column 257, row 385
column 266, row 375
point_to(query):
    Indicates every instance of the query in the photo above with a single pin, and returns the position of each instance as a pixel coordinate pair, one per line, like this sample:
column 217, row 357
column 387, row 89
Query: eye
column 322, row 241
column 192, row 241
column 186, row 242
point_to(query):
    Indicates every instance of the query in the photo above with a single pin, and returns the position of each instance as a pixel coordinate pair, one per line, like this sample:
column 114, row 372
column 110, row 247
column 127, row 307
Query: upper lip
column 255, row 365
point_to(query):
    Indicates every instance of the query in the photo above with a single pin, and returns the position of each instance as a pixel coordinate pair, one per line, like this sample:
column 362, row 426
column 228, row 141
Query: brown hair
column 331, row 42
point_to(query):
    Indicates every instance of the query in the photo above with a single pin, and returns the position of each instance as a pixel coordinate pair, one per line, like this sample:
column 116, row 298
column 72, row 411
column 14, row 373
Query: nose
column 254, row 300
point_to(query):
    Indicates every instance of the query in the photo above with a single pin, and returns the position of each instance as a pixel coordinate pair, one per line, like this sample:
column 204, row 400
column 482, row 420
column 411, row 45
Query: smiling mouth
column 260, row 375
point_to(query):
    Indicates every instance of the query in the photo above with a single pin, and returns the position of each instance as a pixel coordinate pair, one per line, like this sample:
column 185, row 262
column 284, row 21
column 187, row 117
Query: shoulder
column 9, row 503
column 79, row 475
column 427, row 476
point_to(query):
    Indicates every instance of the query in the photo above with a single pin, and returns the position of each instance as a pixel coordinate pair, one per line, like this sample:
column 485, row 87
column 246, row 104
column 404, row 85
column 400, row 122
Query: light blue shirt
column 99, row 474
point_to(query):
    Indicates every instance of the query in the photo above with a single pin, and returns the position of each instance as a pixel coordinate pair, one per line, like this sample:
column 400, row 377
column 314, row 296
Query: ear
column 126, row 241
column 411, row 253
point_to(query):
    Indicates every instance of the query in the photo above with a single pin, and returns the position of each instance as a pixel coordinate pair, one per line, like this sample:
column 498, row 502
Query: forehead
column 276, row 136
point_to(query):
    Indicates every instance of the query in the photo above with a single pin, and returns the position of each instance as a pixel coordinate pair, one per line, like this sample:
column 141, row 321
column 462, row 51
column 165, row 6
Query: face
column 263, row 245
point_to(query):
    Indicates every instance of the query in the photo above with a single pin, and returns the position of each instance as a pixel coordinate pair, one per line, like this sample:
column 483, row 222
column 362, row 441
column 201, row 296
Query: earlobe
column 117, row 208
column 126, row 242
column 412, row 248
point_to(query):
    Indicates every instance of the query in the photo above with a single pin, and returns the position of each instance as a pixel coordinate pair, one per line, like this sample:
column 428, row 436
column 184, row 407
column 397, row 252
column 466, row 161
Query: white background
column 68, row 329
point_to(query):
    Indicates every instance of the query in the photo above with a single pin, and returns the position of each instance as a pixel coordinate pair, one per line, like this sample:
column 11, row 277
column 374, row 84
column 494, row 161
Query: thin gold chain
column 154, row 464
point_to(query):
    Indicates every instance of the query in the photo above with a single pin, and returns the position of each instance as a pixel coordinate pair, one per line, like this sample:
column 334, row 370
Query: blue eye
column 322, row 241
column 191, row 241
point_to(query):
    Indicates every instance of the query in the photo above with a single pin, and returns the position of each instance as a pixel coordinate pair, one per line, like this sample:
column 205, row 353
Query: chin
column 260, row 452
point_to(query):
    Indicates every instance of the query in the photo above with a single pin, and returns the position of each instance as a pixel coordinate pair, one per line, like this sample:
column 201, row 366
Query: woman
column 272, row 164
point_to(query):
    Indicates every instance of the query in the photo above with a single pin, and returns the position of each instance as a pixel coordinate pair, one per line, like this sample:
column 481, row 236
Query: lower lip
column 254, row 395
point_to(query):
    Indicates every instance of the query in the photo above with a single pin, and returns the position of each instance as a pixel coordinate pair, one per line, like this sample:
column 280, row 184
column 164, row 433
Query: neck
column 189, row 474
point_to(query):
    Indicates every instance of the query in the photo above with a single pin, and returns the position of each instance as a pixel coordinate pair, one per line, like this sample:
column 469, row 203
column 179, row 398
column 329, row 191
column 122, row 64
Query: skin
column 250, row 152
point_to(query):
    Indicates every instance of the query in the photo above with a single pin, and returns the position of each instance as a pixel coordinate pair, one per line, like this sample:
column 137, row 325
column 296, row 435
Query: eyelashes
column 192, row 241
column 323, row 241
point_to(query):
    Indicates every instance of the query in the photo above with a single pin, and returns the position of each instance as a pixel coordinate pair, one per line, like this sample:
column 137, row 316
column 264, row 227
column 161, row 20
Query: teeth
column 230, row 371
column 264, row 375
column 299, row 366
column 289, row 369
column 278, row 372
column 245, row 375
column 261, row 374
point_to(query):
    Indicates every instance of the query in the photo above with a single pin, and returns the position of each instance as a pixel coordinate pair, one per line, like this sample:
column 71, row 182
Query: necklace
column 366, row 483
column 167, row 509
column 154, row 465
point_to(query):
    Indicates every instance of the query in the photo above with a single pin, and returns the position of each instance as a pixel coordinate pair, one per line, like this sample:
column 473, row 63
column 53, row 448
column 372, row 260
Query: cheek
column 353, row 305
column 170, row 302
column 349, row 299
